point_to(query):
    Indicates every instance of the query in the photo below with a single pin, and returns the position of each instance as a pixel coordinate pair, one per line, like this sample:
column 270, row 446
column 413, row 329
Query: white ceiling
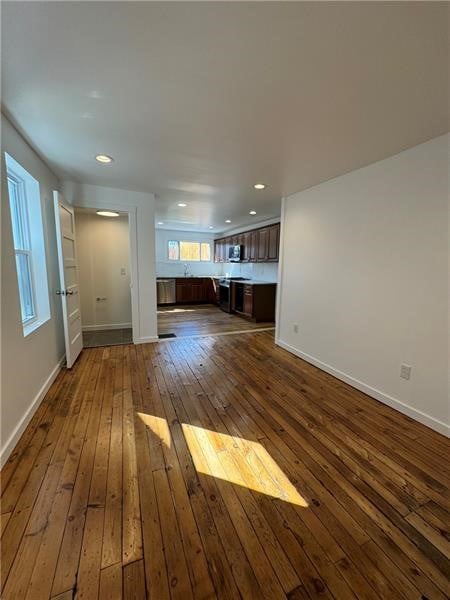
column 198, row 101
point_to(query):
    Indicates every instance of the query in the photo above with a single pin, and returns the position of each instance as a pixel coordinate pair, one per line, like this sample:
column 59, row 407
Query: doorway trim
column 131, row 211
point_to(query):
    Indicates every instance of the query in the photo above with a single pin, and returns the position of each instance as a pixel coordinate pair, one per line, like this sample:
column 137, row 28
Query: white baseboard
column 104, row 327
column 10, row 444
column 414, row 413
column 146, row 340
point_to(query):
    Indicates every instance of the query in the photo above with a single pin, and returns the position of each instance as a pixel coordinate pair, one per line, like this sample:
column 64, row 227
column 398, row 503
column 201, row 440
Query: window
column 174, row 251
column 189, row 251
column 29, row 248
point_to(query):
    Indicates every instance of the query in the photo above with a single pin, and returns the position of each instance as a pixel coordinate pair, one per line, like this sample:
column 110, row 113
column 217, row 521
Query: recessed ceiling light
column 160, row 223
column 252, row 212
column 104, row 159
column 259, row 186
column 107, row 213
column 210, row 227
column 182, row 204
column 228, row 221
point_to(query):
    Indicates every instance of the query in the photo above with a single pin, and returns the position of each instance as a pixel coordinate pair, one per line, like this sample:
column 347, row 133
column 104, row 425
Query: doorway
column 103, row 250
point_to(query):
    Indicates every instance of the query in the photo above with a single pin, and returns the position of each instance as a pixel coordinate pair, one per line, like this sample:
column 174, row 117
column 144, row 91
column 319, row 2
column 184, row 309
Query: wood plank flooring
column 202, row 319
column 221, row 467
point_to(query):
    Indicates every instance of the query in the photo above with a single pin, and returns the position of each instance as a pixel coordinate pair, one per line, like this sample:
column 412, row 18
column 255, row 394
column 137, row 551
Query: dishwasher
column 165, row 291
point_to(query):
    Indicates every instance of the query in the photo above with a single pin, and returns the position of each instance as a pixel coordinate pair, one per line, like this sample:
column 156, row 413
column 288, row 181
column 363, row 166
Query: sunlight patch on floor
column 157, row 426
column 230, row 458
column 239, row 461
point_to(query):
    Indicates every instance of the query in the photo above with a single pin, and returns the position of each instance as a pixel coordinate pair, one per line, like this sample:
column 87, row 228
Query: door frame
column 132, row 245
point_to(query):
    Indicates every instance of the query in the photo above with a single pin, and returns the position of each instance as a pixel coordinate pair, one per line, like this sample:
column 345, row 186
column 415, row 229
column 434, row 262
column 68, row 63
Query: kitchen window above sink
column 189, row 251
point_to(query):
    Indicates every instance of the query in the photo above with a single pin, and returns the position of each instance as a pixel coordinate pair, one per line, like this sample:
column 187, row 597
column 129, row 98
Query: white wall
column 28, row 365
column 365, row 276
column 257, row 271
column 103, row 250
column 141, row 211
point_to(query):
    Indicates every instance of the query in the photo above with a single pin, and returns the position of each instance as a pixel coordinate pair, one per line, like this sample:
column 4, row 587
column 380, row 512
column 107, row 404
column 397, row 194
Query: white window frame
column 179, row 259
column 29, row 206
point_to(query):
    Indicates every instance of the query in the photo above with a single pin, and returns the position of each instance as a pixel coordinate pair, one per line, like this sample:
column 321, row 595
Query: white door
column 68, row 277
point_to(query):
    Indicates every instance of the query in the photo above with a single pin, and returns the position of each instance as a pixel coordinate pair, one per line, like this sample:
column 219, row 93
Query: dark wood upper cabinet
column 220, row 250
column 258, row 245
column 263, row 244
column 253, row 251
column 217, row 251
column 273, row 243
column 244, row 241
column 224, row 251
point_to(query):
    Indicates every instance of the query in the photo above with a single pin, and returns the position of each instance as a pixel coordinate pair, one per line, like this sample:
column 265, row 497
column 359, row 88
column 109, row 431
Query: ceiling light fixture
column 210, row 227
column 252, row 212
column 104, row 159
column 160, row 223
column 182, row 204
column 228, row 221
column 107, row 213
column 259, row 186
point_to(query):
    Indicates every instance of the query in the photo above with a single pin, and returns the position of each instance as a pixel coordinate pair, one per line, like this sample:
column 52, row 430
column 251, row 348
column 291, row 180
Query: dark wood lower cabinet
column 257, row 302
column 196, row 290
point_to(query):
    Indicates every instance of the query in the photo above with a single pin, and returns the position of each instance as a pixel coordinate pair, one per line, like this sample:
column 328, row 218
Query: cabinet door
column 183, row 292
column 248, row 300
column 253, row 246
column 223, row 250
column 263, row 245
column 245, row 240
column 198, row 291
column 216, row 251
column 210, row 290
column 227, row 249
column 273, row 243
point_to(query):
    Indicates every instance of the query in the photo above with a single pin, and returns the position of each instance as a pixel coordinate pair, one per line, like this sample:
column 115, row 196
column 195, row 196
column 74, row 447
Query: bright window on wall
column 189, row 251
column 29, row 246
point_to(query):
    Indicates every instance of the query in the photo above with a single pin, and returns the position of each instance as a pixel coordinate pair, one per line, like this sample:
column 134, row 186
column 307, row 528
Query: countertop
column 244, row 281
column 256, row 282
column 159, row 277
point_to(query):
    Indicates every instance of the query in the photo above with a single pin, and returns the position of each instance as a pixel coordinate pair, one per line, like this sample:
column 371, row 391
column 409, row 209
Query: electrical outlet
column 295, row 327
column 405, row 371
column 123, row 271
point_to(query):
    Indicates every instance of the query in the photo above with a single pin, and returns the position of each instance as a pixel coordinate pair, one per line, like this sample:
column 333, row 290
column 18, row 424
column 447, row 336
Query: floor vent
column 165, row 336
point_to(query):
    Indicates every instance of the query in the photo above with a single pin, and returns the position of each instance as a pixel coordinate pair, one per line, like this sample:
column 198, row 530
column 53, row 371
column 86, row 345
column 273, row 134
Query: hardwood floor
column 221, row 467
column 202, row 319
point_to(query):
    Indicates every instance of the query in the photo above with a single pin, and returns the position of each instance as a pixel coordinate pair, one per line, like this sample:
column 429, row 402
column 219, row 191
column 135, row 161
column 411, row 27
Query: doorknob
column 69, row 292
column 60, row 292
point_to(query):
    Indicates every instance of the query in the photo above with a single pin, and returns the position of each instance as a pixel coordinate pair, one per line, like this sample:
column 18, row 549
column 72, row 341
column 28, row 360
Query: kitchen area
column 209, row 285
